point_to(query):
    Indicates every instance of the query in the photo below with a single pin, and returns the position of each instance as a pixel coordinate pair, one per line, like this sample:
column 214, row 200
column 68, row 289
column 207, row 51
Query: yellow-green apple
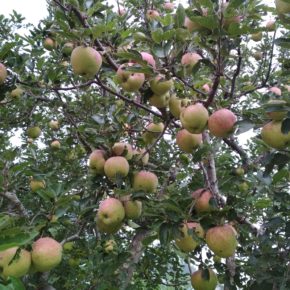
column 240, row 171
column 49, row 43
column 148, row 58
column 243, row 187
column 191, row 25
column 3, row 73
column 187, row 142
column 152, row 132
column 189, row 60
column 54, row 125
column 194, row 118
column 200, row 282
column 282, row 7
column 36, row 184
column 222, row 240
column 16, row 93
column 152, row 15
column 222, row 122
column 46, row 254
column 273, row 136
column 33, row 132
column 123, row 149
column 279, row 113
column 160, row 85
column 15, row 262
column 169, row 6
column 108, row 228
column 258, row 55
column 187, row 242
column 109, row 246
column 159, row 101
column 86, row 61
column 257, row 36
column 176, row 105
column 68, row 246
column 133, row 208
column 115, row 167
column 145, row 181
column 128, row 80
column 55, row 144
column 202, row 199
column 275, row 90
column 271, row 25
column 67, row 48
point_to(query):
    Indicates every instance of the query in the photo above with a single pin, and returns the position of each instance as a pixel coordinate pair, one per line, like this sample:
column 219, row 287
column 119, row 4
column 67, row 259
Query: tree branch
column 12, row 197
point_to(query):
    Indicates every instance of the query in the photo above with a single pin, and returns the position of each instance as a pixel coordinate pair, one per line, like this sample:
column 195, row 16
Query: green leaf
column 244, row 126
column 286, row 126
column 180, row 16
column 164, row 234
column 283, row 42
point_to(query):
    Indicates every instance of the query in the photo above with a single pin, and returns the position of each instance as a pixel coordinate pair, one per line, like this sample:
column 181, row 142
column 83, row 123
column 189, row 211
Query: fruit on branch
column 33, row 132
column 200, row 280
column 15, row 262
column 116, row 167
column 277, row 113
column 191, row 25
column 194, row 118
column 240, row 171
column 283, row 8
column 275, row 90
column 16, row 93
column 244, row 187
column 133, row 208
column 206, row 88
column 159, row 101
column 123, row 149
column 257, row 36
column 189, row 60
column 202, row 199
column 271, row 25
column 187, row 142
column 140, row 153
column 273, row 136
column 222, row 240
column 121, row 11
column 258, row 55
column 55, row 144
column 49, row 43
column 130, row 81
column 67, row 48
column 168, row 6
column 109, row 246
column 152, row 15
column 152, row 132
column 187, row 242
column 148, row 58
column 68, row 246
column 221, row 123
column 3, row 73
column 176, row 105
column 37, row 184
column 145, row 181
column 85, row 61
column 46, row 254
column 54, row 125
column 160, row 85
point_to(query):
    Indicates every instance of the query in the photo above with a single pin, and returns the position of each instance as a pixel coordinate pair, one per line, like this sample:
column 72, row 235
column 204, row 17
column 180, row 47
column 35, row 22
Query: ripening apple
column 279, row 113
column 55, row 145
column 168, row 6
column 194, row 118
column 3, row 73
column 257, row 36
column 222, row 240
column 243, row 187
column 271, row 25
column 176, row 105
column 258, row 55
column 277, row 91
column 189, row 60
column 54, row 125
column 188, row 142
column 222, row 122
column 16, row 93
column 160, row 85
column 15, row 262
column 116, row 167
column 191, row 25
column 67, row 48
column 133, row 208
column 123, row 149
column 273, row 136
column 206, row 88
column 108, row 228
column 200, row 282
column 187, row 242
column 240, row 171
column 33, row 132
column 152, row 15
column 202, row 199
column 36, row 184
column 49, row 43
column 152, row 132
column 148, row 58
column 159, row 101
column 129, row 81
column 85, row 61
column 145, row 181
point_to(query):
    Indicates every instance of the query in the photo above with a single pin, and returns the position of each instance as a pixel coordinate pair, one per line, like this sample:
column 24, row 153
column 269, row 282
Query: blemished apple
column 46, row 254
column 16, row 93
column 15, row 262
column 145, row 181
column 152, row 132
column 222, row 123
column 194, row 118
column 133, row 208
column 202, row 199
column 33, row 132
column 49, row 43
column 36, row 184
column 257, row 36
column 160, row 85
column 275, row 90
column 55, row 145
column 128, row 80
column 176, row 105
column 123, row 149
column 116, row 167
column 53, row 124
column 67, row 48
column 187, row 141
column 199, row 282
column 152, row 15
column 86, row 61
column 222, row 240
column 3, row 73
column 159, row 101
column 280, row 112
column 148, row 58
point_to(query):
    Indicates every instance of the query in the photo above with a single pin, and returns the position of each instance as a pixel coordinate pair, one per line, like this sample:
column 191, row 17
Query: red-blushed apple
column 16, row 93
column 200, row 282
column 206, row 88
column 133, row 208
column 121, row 11
column 67, row 48
column 128, row 80
column 97, row 161
column 49, row 43
column 187, row 242
column 257, row 36
column 189, row 60
column 188, row 142
column 123, row 149
column 116, row 167
column 148, row 58
column 169, row 6
column 202, row 199
column 176, row 105
column 152, row 131
column 280, row 111
column 3, row 73
column 36, row 184
column 55, row 145
column 85, row 61
column 194, row 118
column 145, row 181
column 275, row 90
column 152, row 15
column 191, row 25
column 221, row 123
column 33, row 132
column 159, row 101
column 15, row 262
column 222, row 240
column 46, row 254
column 271, row 25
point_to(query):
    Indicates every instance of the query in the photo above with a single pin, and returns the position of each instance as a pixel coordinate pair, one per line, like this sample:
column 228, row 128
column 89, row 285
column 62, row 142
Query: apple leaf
column 286, row 126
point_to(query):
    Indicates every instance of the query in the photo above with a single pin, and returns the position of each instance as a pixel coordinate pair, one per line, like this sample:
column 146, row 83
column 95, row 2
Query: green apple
column 243, row 187
column 176, row 105
column 97, row 161
column 145, row 181
column 257, row 36
column 54, row 125
column 199, row 282
column 115, row 167
column 49, row 43
column 33, row 132
column 67, row 48
column 160, row 85
column 37, row 184
column 280, row 112
column 152, row 132
column 133, row 208
column 55, row 145
column 188, row 142
column 122, row 148
column 109, row 246
column 159, row 101
column 240, row 171
column 258, row 55
column 3, row 73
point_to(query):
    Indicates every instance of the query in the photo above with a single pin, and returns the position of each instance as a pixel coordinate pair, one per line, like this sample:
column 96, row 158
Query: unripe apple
column 258, row 55
column 49, row 43
column 133, row 208
column 148, row 58
column 191, row 25
column 139, row 153
column 16, row 93
column 279, row 113
column 145, row 181
column 109, row 246
column 257, row 36
column 108, row 228
column 159, row 101
column 16, row 266
column 176, row 105
column 194, row 118
column 33, row 132
column 85, row 61
column 129, row 81
column 55, row 144
column 276, row 91
column 152, row 15
column 222, row 240
column 152, row 132
column 243, row 187
column 271, row 25
column 121, row 148
column 282, row 7
column 221, row 123
column 160, row 85
column 240, row 171
column 67, row 48
column 54, row 125
column 202, row 199
column 46, row 254
column 187, row 142
column 168, row 6
column 116, row 167
column 189, row 60
column 273, row 136
column 199, row 282
column 187, row 242
column 37, row 184
column 3, row 73
column 68, row 246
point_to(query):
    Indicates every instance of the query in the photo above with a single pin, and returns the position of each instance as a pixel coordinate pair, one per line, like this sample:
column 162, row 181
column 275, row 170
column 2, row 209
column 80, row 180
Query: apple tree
column 145, row 145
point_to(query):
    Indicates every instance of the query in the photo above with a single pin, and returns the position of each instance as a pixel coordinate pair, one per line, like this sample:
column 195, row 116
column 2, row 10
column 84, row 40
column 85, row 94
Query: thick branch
column 12, row 197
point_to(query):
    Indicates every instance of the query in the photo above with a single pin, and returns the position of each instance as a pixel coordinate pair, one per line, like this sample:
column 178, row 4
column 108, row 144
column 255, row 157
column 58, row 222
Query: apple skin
column 176, row 105
column 160, row 86
column 133, row 208
column 202, row 199
column 20, row 265
column 55, row 145
column 145, row 181
column 116, row 166
column 273, row 136
column 108, row 228
column 189, row 60
column 37, row 184
column 152, row 15
column 120, row 147
column 221, row 123
column 148, row 58
column 3, row 73
column 194, row 118
column 85, row 61
column 49, row 43
column 33, row 132
column 129, row 81
column 152, row 132
column 186, row 242
column 222, row 240
column 279, row 114
column 168, row 6
column 199, row 283
column 46, row 254
column 159, row 101
column 187, row 142
column 53, row 124
column 240, row 171
column 16, row 93
column 67, row 48
column 275, row 90
column 257, row 36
